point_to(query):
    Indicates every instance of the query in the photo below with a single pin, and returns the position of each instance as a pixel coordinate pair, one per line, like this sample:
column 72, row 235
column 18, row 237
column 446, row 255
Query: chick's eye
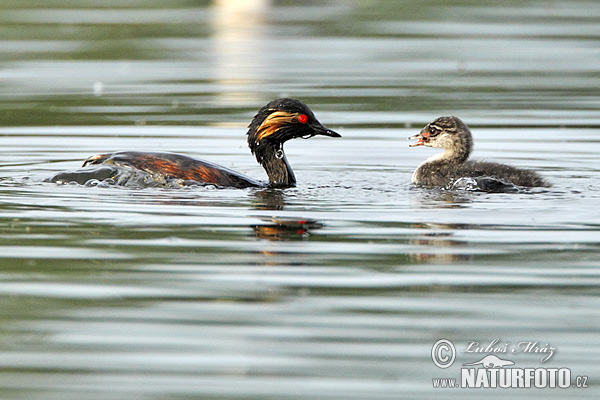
column 302, row 118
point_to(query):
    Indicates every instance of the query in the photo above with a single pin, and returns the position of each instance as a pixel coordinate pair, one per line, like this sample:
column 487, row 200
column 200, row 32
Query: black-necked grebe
column 274, row 124
column 444, row 169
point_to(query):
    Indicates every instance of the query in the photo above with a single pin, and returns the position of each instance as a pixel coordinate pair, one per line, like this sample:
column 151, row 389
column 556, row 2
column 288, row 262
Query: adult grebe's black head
column 281, row 120
column 274, row 124
column 449, row 133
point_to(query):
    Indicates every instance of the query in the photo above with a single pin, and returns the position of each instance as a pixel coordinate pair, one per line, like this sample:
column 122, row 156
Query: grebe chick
column 443, row 169
column 277, row 122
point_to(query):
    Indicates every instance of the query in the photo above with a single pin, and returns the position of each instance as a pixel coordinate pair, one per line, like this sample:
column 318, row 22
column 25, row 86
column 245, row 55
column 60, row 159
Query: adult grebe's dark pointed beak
column 319, row 129
column 422, row 137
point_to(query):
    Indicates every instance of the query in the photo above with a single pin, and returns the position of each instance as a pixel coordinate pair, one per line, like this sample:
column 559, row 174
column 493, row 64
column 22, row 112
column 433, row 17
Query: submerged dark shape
column 445, row 169
column 277, row 122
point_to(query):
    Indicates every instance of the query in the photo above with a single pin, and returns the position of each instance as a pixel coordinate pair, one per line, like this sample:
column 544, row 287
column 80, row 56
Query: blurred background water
column 337, row 288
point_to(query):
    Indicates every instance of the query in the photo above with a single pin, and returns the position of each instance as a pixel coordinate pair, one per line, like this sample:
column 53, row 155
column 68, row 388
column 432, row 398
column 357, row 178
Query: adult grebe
column 274, row 124
column 444, row 169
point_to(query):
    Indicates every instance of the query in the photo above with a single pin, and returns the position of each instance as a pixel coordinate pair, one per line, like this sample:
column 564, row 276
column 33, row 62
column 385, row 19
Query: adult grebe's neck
column 275, row 163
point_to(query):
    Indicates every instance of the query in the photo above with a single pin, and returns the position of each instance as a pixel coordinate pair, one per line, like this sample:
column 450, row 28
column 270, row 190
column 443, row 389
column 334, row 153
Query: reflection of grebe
column 277, row 122
column 443, row 169
column 276, row 228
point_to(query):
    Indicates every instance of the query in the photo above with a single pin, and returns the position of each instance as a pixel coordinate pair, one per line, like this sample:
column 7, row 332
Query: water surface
column 337, row 288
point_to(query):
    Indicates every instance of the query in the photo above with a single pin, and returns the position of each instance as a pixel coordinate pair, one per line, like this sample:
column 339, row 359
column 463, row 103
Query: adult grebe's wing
column 165, row 165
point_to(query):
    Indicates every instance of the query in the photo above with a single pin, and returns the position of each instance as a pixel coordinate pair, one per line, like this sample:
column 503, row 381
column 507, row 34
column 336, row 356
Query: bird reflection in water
column 441, row 198
column 439, row 244
column 279, row 228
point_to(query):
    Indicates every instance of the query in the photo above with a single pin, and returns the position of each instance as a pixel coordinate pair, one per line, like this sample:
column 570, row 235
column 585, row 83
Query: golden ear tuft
column 273, row 122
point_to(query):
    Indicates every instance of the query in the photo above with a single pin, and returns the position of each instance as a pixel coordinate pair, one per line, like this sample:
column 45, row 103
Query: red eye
column 302, row 118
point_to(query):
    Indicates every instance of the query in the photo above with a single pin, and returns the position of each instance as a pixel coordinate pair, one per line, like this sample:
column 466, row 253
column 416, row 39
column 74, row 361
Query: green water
column 337, row 288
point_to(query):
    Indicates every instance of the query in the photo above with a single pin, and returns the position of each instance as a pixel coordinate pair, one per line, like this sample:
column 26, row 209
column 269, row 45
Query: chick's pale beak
column 319, row 129
column 422, row 137
column 419, row 142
